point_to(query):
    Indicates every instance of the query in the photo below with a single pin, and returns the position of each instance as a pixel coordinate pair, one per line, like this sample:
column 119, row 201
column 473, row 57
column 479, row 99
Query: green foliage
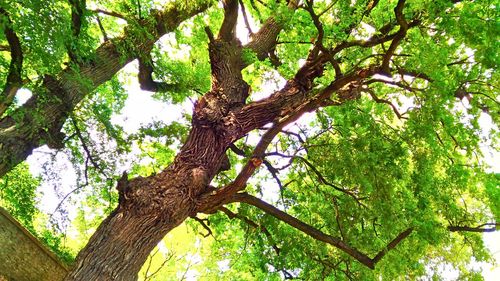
column 18, row 194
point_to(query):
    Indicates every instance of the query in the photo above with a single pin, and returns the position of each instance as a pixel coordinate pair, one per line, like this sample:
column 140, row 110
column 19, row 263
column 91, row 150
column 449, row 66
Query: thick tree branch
column 228, row 27
column 66, row 89
column 282, row 108
column 263, row 41
column 14, row 78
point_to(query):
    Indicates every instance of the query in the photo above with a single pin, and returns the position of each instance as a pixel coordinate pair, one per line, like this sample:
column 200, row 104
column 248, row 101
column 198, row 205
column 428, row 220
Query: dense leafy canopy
column 390, row 163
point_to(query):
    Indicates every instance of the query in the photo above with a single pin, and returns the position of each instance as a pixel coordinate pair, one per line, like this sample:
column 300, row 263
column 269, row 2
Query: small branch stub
column 256, row 162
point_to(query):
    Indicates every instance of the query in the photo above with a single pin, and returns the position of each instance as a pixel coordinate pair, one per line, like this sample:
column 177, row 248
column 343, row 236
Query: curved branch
column 14, row 78
column 75, row 82
column 204, row 225
column 145, row 76
column 403, row 28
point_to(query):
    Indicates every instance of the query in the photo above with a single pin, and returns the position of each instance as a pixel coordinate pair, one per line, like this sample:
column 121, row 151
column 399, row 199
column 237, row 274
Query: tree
column 389, row 170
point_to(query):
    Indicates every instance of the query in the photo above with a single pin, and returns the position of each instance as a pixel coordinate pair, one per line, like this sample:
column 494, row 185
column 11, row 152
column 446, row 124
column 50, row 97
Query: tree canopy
column 325, row 140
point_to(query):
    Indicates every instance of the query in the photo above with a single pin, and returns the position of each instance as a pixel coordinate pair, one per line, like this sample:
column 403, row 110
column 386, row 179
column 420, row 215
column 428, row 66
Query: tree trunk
column 148, row 209
column 122, row 243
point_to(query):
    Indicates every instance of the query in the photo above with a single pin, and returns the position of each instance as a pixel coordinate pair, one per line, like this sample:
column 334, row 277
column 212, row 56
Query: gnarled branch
column 75, row 82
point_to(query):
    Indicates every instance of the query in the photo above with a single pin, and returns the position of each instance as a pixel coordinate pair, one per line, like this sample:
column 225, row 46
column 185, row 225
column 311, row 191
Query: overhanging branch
column 305, row 228
column 75, row 82
column 319, row 235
